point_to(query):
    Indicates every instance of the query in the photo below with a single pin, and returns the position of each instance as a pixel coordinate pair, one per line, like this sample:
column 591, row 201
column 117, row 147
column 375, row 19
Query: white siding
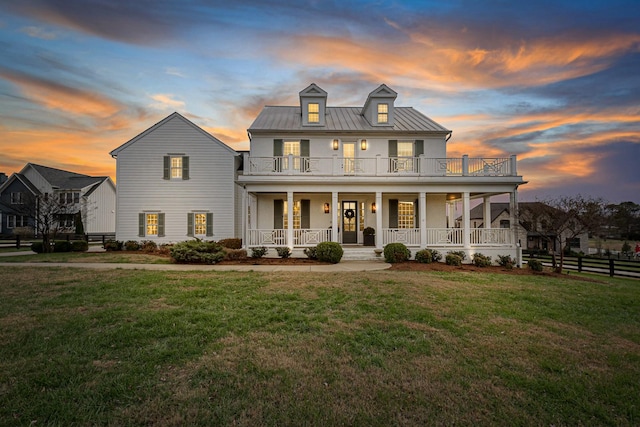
column 99, row 213
column 37, row 180
column 141, row 186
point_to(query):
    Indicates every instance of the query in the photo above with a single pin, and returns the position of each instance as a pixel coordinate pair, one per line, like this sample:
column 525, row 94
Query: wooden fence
column 610, row 266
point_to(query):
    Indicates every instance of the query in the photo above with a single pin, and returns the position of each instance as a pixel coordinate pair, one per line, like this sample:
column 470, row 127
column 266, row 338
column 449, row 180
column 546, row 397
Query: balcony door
column 349, row 155
column 349, row 222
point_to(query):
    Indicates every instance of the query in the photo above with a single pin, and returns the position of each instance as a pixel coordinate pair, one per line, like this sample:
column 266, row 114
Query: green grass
column 385, row 348
column 82, row 257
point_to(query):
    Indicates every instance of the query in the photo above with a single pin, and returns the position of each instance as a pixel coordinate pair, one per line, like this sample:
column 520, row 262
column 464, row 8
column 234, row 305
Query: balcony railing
column 379, row 166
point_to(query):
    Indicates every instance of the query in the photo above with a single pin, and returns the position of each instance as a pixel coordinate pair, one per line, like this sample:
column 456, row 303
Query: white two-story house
column 319, row 173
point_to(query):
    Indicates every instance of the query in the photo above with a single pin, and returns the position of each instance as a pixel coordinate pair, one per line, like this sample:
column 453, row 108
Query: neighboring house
column 93, row 197
column 531, row 232
column 176, row 182
column 319, row 173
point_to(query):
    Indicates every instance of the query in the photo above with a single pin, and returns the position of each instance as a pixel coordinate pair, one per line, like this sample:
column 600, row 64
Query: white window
column 200, row 224
column 69, row 198
column 361, row 218
column 313, row 112
column 293, row 148
column 14, row 221
column 405, row 156
column 176, row 167
column 66, row 220
column 297, row 219
column 405, row 215
column 383, row 113
column 152, row 224
column 17, row 199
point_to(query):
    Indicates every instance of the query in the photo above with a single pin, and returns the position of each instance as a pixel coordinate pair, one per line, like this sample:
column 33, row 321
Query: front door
column 349, row 154
column 349, row 222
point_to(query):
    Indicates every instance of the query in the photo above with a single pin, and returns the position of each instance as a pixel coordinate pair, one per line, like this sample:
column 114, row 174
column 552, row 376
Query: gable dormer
column 313, row 105
column 378, row 110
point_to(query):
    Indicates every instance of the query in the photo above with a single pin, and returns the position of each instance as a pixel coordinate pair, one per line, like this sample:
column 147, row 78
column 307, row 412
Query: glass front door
column 349, row 222
column 349, row 154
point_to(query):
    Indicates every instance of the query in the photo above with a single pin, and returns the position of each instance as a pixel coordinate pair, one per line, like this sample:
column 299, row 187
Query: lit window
column 361, row 218
column 296, row 215
column 293, row 148
column 313, row 110
column 405, row 215
column 405, row 156
column 176, row 167
column 152, row 224
column 383, row 113
column 200, row 224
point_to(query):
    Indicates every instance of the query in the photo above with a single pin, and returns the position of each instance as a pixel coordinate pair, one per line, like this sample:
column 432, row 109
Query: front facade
column 319, row 173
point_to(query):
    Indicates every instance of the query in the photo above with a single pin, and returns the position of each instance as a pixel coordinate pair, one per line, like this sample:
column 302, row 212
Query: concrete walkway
column 353, row 266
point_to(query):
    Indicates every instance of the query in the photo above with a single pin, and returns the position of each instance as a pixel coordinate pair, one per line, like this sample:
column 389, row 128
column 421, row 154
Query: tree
column 563, row 219
column 625, row 217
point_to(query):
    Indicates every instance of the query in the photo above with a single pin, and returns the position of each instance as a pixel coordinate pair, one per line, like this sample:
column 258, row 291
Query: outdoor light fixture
column 326, row 208
column 336, row 144
column 363, row 144
column 374, row 208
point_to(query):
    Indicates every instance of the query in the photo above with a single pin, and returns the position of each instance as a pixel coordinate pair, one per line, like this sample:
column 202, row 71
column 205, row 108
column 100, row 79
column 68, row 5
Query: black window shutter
column 209, row 223
column 140, row 225
column 416, row 214
column 185, row 167
column 278, row 147
column 160, row 225
column 419, row 148
column 305, row 214
column 167, row 167
column 393, row 148
column 189, row 224
column 278, row 211
column 393, row 213
column 304, row 153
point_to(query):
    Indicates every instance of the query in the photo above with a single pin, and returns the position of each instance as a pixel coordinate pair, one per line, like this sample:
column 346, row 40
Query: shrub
column 131, row 245
column 311, row 253
column 148, row 246
column 396, row 252
column 283, row 252
column 435, row 255
column 79, row 246
column 37, row 247
column 453, row 259
column 197, row 251
column 424, row 256
column 231, row 243
column 535, row 264
column 164, row 249
column 506, row 261
column 61, row 246
column 234, row 254
column 369, row 231
column 480, row 260
column 329, row 252
column 259, row 252
column 461, row 254
column 112, row 245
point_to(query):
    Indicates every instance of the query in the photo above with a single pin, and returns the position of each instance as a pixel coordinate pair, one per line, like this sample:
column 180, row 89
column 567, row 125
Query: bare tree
column 563, row 219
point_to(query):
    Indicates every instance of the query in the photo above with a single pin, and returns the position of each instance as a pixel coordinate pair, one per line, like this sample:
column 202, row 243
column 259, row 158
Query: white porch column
column 486, row 217
column 379, row 212
column 290, row 219
column 422, row 203
column 513, row 221
column 334, row 216
column 466, row 221
column 245, row 220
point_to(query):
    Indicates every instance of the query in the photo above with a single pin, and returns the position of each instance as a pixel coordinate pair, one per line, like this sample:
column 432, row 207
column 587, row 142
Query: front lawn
column 385, row 348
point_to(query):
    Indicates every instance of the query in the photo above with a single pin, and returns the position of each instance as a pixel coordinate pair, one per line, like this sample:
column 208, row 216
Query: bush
column 396, row 252
column 535, row 264
column 131, row 245
column 311, row 253
column 61, row 246
column 79, row 246
column 480, row 260
column 283, row 252
column 37, row 247
column 453, row 259
column 506, row 261
column 164, row 249
column 112, row 245
column 435, row 255
column 461, row 254
column 148, row 246
column 329, row 252
column 234, row 254
column 259, row 252
column 197, row 251
column 231, row 243
column 424, row 256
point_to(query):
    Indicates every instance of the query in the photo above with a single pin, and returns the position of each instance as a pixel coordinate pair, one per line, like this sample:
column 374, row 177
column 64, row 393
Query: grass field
column 386, row 348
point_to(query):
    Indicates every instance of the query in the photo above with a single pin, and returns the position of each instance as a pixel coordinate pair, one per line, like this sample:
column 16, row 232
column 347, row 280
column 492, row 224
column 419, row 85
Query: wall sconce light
column 363, row 144
column 336, row 144
column 374, row 208
column 327, row 208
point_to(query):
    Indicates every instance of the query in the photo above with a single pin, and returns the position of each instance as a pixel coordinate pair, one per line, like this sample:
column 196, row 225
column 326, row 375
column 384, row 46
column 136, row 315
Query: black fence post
column 18, row 242
column 579, row 264
column 103, row 239
column 611, row 268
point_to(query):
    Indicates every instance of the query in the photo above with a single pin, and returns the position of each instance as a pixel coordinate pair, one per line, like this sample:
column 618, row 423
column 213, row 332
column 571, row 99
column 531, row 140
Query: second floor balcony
column 379, row 166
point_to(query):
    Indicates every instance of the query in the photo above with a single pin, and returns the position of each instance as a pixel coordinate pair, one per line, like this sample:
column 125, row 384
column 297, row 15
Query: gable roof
column 313, row 90
column 496, row 209
column 24, row 180
column 114, row 152
column 61, row 179
column 382, row 91
column 287, row 118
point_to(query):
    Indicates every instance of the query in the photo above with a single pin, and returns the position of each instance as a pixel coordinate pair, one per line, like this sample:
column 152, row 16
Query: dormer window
column 383, row 113
column 313, row 111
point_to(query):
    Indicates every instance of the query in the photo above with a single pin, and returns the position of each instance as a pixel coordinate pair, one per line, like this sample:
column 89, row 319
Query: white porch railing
column 491, row 236
column 444, row 237
column 379, row 166
column 274, row 238
column 408, row 236
column 311, row 237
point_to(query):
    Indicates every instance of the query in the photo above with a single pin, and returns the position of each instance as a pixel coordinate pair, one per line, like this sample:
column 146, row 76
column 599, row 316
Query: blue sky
column 555, row 82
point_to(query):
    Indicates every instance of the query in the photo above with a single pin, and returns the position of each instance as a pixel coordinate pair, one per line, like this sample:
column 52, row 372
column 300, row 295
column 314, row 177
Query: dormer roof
column 382, row 91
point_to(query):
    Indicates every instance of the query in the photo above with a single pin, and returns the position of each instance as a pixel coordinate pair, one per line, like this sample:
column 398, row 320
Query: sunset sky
column 555, row 82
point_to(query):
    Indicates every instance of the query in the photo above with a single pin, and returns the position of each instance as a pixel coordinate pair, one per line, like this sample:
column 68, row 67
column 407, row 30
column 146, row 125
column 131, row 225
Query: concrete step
column 360, row 253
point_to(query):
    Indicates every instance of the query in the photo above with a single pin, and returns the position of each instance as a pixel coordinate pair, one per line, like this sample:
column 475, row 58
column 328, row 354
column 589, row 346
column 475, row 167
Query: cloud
column 166, row 102
column 39, row 33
